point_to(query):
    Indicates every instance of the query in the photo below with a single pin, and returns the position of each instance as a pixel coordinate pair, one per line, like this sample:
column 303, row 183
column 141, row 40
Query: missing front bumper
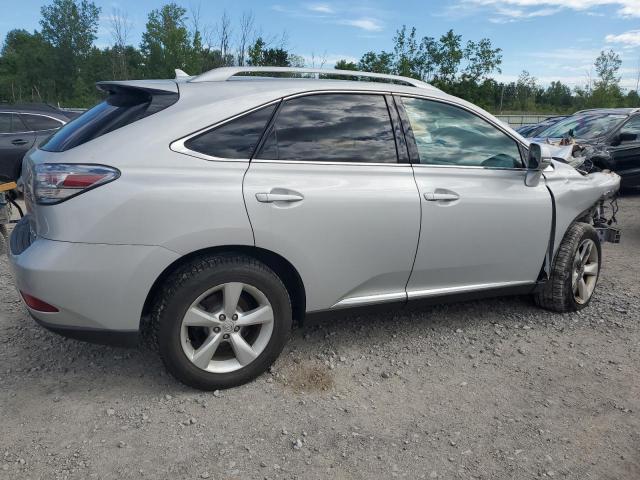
column 608, row 234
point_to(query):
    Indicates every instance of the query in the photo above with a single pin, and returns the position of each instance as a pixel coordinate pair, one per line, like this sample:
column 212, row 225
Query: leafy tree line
column 59, row 63
column 465, row 69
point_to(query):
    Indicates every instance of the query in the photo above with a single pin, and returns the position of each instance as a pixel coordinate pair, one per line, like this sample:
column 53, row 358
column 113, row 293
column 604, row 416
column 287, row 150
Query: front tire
column 575, row 271
column 221, row 320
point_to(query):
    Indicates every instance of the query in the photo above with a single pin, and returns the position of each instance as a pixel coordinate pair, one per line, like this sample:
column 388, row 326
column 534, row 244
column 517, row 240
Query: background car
column 22, row 126
column 615, row 131
column 534, row 129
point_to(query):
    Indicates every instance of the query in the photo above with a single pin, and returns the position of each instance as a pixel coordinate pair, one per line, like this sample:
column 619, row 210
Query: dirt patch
column 306, row 377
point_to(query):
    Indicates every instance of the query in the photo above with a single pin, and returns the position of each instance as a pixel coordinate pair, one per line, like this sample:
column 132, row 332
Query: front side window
column 332, row 127
column 449, row 135
column 11, row 123
column 236, row 139
column 38, row 123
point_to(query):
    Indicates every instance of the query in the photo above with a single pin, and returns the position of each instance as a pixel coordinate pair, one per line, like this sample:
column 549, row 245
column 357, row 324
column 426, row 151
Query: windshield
column 583, row 126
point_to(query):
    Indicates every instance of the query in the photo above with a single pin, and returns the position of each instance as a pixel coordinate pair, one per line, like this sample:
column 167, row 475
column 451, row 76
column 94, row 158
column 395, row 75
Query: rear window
column 122, row 107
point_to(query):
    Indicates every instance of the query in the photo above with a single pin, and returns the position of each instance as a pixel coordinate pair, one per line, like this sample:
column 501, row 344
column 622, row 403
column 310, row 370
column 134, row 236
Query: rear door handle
column 19, row 141
column 441, row 197
column 278, row 197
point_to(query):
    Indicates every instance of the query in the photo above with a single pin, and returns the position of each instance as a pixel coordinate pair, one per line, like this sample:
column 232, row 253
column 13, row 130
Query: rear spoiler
column 159, row 93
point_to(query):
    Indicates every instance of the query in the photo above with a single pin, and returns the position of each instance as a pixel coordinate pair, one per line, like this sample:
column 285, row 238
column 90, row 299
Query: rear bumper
column 99, row 289
column 116, row 338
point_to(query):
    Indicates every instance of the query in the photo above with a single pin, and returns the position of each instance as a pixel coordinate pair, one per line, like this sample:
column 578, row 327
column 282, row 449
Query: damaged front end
column 583, row 189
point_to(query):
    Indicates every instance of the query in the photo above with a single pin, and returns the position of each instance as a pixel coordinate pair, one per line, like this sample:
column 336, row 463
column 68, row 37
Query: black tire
column 190, row 281
column 557, row 294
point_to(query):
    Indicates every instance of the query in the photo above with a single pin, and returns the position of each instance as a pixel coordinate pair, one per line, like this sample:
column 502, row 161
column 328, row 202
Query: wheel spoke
column 196, row 317
column 244, row 353
column 591, row 269
column 203, row 355
column 231, row 294
column 582, row 289
column 262, row 314
column 584, row 257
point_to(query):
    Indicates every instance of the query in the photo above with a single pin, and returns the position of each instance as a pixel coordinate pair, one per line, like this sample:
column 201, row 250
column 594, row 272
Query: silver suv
column 207, row 213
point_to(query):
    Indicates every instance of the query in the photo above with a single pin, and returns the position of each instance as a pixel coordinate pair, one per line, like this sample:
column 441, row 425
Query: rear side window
column 332, row 127
column 236, row 138
column 5, row 122
column 11, row 123
column 122, row 107
column 40, row 122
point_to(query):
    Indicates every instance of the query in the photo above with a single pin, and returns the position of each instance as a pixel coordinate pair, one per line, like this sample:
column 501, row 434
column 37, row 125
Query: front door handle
column 278, row 197
column 19, row 141
column 441, row 197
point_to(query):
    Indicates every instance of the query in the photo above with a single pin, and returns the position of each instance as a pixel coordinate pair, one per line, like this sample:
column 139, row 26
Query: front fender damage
column 586, row 197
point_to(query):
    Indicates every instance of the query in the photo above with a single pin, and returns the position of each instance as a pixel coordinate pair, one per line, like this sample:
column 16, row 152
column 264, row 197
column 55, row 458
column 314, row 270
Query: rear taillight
column 56, row 182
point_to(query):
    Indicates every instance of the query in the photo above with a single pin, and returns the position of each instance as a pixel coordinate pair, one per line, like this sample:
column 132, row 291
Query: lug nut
column 225, row 336
column 216, row 329
column 234, row 317
column 223, row 317
column 237, row 329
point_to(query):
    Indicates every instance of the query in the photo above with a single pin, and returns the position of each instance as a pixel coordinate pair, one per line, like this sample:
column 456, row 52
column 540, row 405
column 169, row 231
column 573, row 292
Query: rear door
column 326, row 191
column 482, row 227
column 15, row 141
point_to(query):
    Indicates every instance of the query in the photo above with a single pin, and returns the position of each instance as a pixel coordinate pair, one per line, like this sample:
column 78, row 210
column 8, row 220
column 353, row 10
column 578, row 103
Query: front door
column 327, row 193
column 626, row 153
column 482, row 227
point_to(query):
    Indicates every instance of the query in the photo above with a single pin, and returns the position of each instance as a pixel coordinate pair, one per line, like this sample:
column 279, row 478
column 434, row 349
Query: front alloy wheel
column 585, row 271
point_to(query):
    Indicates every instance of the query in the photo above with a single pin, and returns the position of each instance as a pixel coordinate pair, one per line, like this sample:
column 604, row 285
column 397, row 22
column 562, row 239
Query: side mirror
column 539, row 159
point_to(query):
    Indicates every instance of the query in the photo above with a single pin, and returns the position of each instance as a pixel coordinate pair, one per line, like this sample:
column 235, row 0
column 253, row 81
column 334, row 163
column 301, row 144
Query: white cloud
column 630, row 38
column 320, row 8
column 368, row 24
column 520, row 9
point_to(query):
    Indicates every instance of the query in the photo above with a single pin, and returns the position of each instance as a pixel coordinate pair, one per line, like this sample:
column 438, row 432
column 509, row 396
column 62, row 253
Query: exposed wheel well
column 281, row 266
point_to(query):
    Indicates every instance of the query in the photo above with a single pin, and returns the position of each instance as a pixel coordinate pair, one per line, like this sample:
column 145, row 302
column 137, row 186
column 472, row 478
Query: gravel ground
column 494, row 389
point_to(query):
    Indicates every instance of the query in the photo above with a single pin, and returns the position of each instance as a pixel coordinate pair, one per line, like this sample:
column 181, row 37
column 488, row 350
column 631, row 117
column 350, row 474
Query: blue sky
column 552, row 39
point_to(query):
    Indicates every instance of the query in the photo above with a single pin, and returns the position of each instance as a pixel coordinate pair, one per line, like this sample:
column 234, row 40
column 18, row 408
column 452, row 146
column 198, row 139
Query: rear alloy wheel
column 220, row 321
column 575, row 271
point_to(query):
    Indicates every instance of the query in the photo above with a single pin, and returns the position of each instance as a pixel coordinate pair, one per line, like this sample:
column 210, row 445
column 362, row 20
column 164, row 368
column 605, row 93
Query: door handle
column 441, row 197
column 278, row 197
column 19, row 141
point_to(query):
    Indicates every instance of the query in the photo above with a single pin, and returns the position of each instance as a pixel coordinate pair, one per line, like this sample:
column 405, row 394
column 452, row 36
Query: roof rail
column 225, row 73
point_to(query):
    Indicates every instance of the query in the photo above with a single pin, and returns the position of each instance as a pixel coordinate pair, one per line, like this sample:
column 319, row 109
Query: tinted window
column 583, row 126
column 122, row 107
column 448, row 135
column 332, row 127
column 5, row 122
column 39, row 122
column 237, row 138
column 632, row 126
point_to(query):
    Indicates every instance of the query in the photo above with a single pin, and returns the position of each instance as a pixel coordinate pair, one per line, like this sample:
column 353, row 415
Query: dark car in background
column 21, row 127
column 534, row 129
column 613, row 132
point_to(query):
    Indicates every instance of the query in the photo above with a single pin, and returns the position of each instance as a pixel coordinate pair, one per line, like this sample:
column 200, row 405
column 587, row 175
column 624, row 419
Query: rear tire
column 575, row 271
column 194, row 316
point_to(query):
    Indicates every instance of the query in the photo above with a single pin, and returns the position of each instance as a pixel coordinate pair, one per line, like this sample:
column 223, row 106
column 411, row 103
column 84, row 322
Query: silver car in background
column 207, row 213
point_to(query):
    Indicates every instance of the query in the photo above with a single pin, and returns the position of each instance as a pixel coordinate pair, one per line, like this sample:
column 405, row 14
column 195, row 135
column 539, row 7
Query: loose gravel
column 494, row 389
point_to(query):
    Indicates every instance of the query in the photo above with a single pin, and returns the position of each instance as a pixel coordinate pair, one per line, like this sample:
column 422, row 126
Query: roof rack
column 225, row 73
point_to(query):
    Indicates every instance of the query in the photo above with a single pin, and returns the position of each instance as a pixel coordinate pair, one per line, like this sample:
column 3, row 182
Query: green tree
column 449, row 55
column 259, row 55
column 346, row 65
column 165, row 43
column 70, row 27
column 376, row 62
column 482, row 59
column 606, row 92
